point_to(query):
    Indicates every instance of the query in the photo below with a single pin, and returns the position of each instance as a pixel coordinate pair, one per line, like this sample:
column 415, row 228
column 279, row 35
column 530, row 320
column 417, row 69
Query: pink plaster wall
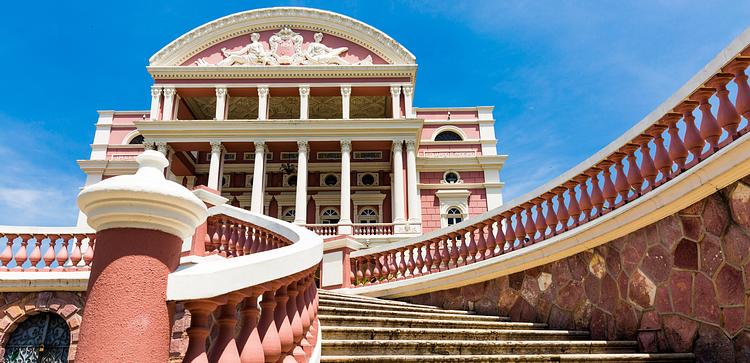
column 128, row 118
column 355, row 53
column 443, row 114
column 434, row 177
column 117, row 135
column 431, row 207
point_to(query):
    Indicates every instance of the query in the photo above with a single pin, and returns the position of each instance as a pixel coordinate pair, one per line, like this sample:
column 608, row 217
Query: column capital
column 161, row 146
column 156, row 91
column 346, row 145
column 346, row 90
column 216, row 146
column 303, row 146
column 221, row 91
column 262, row 91
column 397, row 145
column 304, row 91
column 259, row 146
column 395, row 91
column 411, row 145
column 169, row 91
column 408, row 90
column 149, row 145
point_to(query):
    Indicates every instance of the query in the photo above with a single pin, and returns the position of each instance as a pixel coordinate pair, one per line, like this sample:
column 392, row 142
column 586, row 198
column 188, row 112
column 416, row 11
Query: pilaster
column 262, row 103
column 346, row 93
column 304, row 101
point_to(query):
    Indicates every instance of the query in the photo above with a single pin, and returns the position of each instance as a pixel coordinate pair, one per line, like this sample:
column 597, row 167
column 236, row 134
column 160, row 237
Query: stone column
column 262, row 103
column 346, row 93
column 141, row 221
column 396, row 101
column 155, row 103
column 256, row 202
column 214, row 168
column 415, row 205
column 169, row 94
column 304, row 102
column 345, row 222
column 221, row 103
column 300, row 205
column 408, row 100
column 398, row 183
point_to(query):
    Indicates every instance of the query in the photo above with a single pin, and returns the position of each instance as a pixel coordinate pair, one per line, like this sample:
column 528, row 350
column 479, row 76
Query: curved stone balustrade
column 669, row 144
column 274, row 261
column 46, row 249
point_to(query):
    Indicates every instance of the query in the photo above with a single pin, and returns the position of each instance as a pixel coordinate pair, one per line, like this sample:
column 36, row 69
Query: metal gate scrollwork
column 42, row 338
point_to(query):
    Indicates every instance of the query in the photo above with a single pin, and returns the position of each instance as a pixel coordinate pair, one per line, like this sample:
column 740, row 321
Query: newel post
column 141, row 221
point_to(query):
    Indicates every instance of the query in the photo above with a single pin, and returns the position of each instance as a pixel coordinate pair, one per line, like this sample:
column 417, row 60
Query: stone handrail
column 45, row 249
column 272, row 259
column 666, row 144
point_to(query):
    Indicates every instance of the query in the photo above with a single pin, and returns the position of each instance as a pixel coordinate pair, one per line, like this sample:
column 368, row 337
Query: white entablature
column 244, row 23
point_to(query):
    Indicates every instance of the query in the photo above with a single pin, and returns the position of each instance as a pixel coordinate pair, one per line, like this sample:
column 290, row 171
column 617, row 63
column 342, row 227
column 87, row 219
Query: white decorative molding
column 247, row 22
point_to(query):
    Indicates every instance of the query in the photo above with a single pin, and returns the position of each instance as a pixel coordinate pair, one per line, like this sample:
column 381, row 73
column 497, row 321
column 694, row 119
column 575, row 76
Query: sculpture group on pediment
column 285, row 49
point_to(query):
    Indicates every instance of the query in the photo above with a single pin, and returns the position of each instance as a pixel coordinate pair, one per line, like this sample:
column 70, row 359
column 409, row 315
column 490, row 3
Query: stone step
column 437, row 315
column 468, row 347
column 604, row 358
column 372, row 333
column 325, row 301
column 371, row 321
column 372, row 300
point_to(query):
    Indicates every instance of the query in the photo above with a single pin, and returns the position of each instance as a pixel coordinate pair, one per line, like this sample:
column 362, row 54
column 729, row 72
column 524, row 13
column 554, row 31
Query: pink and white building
column 307, row 116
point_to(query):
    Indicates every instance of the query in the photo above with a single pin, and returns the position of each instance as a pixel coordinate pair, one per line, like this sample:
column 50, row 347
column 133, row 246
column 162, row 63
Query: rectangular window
column 251, row 156
column 230, row 156
column 368, row 155
column 329, row 155
column 289, row 156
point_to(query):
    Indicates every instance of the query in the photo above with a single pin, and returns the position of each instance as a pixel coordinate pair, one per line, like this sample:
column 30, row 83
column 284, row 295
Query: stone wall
column 681, row 284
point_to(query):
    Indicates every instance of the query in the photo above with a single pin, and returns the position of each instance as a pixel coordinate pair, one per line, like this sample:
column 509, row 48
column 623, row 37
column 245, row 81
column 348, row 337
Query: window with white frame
column 251, row 156
column 329, row 155
column 367, row 215
column 226, row 180
column 454, row 216
column 448, row 135
column 368, row 155
column 329, row 216
column 451, row 177
column 290, row 180
column 367, row 179
column 230, row 156
column 288, row 215
column 329, row 180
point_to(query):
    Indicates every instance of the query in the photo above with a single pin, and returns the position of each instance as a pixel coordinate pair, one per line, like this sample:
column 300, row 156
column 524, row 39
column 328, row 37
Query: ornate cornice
column 204, row 36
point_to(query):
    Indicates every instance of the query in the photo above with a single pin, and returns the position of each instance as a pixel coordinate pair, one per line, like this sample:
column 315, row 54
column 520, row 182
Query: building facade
column 307, row 116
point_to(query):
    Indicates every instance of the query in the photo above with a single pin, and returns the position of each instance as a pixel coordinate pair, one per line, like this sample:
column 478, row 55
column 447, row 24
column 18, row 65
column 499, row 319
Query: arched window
column 451, row 177
column 368, row 215
column 42, row 337
column 329, row 216
column 448, row 136
column 454, row 216
column 288, row 215
column 136, row 140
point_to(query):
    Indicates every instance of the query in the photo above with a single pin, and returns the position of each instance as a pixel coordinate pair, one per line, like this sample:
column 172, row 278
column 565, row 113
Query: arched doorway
column 41, row 338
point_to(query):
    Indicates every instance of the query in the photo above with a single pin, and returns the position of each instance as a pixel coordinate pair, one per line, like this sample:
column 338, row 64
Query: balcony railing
column 324, row 229
column 46, row 249
column 373, row 229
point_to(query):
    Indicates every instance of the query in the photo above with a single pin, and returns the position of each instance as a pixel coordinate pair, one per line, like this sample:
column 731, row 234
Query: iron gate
column 42, row 338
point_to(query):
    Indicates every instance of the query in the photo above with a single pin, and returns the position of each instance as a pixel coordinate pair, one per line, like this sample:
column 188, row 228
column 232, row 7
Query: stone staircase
column 363, row 329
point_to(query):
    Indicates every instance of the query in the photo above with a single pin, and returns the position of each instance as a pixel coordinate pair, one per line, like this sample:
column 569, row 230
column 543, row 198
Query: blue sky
column 566, row 77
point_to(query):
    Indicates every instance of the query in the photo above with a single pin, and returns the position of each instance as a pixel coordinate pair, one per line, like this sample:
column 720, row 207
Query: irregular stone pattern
column 681, row 284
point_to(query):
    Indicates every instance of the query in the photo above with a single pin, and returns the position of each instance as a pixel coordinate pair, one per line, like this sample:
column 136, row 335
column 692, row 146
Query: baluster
column 622, row 187
column 573, row 208
column 539, row 222
column 376, row 271
column 510, row 234
column 727, row 116
column 585, row 201
column 359, row 276
column 454, row 249
column 662, row 162
column 520, row 231
column 368, row 271
column 400, row 254
column 216, row 237
column 443, row 262
column 418, row 262
column 281, row 318
column 304, row 316
column 648, row 169
column 472, row 248
column 21, row 255
column 491, row 241
column 267, row 328
column 224, row 348
column 709, row 130
column 224, row 238
column 550, row 218
column 411, row 264
column 677, row 151
column 693, row 140
column 241, row 237
column 634, row 178
column 742, row 101
column 562, row 211
column 529, row 227
column 36, row 253
column 7, row 254
column 88, row 256
column 609, row 192
column 62, row 255
column 255, row 245
column 49, row 254
column 500, row 237
column 430, row 247
column 481, row 242
column 597, row 198
column 293, row 314
column 463, row 251
column 75, row 255
column 385, row 266
column 198, row 330
column 248, row 340
column 232, row 240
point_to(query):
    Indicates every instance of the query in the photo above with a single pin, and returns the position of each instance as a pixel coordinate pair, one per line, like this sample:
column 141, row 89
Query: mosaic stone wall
column 679, row 285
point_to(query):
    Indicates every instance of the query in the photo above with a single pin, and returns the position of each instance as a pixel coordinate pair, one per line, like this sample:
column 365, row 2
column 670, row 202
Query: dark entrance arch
column 41, row 338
